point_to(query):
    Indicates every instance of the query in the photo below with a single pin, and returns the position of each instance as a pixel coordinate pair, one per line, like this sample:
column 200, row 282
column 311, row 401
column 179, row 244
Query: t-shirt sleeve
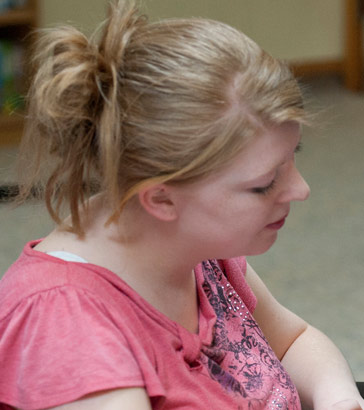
column 59, row 345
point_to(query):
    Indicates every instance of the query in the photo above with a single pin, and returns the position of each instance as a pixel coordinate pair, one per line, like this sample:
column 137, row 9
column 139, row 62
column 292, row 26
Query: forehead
column 270, row 148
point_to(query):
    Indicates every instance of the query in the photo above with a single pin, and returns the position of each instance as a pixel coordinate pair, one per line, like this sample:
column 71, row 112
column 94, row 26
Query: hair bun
column 122, row 23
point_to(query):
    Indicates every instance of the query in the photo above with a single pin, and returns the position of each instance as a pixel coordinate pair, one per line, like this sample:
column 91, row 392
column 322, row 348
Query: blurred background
column 317, row 266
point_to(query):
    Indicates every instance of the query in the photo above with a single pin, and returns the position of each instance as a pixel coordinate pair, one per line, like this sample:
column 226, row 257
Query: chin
column 256, row 248
column 261, row 248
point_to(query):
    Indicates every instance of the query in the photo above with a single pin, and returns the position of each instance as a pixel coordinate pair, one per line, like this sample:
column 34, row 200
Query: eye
column 265, row 189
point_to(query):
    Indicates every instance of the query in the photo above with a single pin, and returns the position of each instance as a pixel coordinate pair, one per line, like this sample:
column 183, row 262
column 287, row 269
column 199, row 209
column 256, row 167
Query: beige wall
column 297, row 30
column 85, row 14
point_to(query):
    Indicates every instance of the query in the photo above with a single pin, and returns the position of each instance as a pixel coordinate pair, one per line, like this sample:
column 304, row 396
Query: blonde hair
column 170, row 101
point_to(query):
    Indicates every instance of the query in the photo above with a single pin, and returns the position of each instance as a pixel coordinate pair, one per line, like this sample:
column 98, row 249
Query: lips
column 278, row 224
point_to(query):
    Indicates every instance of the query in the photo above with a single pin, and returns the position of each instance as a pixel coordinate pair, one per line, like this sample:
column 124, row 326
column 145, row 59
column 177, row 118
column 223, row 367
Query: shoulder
column 36, row 273
column 28, row 275
column 78, row 339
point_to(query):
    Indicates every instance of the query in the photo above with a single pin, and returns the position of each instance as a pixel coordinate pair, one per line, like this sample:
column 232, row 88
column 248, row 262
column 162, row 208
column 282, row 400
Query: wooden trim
column 17, row 17
column 34, row 6
column 314, row 68
column 353, row 45
column 11, row 127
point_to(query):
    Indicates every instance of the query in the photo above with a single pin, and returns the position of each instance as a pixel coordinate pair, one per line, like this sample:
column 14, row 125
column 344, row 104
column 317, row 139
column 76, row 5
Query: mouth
column 278, row 224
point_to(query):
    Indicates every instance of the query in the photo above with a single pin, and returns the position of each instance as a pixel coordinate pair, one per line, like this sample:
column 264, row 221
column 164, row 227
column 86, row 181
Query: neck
column 161, row 274
column 145, row 254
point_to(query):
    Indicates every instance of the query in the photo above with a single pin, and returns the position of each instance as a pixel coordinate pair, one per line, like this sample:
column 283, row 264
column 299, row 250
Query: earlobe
column 157, row 201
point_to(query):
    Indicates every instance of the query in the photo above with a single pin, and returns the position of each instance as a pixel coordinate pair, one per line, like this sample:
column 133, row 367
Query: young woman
column 173, row 146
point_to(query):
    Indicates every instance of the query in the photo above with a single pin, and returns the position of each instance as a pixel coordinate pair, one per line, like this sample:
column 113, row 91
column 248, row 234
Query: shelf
column 11, row 127
column 16, row 25
column 17, row 17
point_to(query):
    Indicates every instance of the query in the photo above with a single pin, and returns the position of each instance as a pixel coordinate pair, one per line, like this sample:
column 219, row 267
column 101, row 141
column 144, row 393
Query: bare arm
column 121, row 399
column 318, row 369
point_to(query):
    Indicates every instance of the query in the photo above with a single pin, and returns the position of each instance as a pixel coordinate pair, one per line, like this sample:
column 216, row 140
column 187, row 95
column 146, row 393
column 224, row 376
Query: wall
column 296, row 30
column 85, row 14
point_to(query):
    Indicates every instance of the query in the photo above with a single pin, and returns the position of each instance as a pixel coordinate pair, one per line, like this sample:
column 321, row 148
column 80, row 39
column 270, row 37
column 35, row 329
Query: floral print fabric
column 240, row 358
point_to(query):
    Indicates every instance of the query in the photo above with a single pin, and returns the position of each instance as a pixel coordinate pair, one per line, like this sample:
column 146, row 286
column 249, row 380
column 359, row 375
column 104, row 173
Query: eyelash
column 266, row 189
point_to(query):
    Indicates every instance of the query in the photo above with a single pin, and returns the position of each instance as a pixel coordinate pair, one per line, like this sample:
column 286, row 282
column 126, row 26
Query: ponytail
column 123, row 22
column 72, row 138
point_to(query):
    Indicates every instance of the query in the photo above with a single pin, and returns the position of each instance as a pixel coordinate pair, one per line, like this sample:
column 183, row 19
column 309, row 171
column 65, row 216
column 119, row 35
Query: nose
column 295, row 188
column 302, row 189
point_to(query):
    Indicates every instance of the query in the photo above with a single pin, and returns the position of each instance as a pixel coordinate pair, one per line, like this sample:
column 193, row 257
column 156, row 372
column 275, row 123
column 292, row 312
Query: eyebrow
column 256, row 180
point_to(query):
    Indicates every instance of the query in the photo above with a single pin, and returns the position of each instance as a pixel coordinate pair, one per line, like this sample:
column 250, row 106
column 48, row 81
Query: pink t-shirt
column 68, row 329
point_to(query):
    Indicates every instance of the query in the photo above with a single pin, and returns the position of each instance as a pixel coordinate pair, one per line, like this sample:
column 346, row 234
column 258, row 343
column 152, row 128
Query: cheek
column 242, row 223
column 221, row 215
column 253, row 212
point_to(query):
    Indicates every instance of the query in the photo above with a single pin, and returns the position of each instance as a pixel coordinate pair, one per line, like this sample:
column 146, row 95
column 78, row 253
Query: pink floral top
column 239, row 357
column 68, row 329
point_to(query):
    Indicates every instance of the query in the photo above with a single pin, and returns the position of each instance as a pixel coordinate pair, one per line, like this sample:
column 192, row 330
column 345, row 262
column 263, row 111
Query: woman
column 173, row 146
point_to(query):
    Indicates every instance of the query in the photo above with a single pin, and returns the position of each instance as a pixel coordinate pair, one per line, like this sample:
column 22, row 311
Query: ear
column 157, row 201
